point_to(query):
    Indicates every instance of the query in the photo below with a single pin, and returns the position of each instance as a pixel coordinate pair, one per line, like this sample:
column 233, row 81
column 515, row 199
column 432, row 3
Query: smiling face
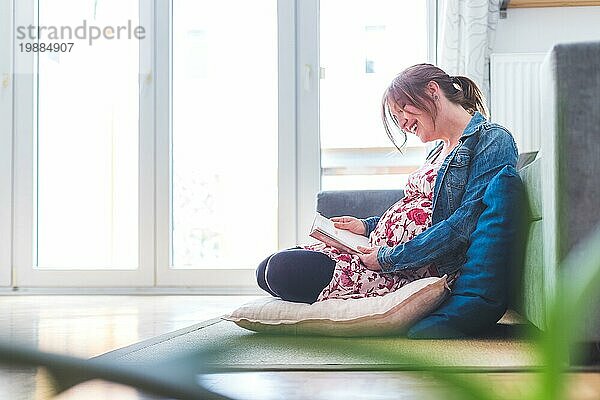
column 412, row 120
column 425, row 101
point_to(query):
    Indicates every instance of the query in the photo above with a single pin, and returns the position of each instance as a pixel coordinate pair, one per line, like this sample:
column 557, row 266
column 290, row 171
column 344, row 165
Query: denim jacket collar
column 476, row 120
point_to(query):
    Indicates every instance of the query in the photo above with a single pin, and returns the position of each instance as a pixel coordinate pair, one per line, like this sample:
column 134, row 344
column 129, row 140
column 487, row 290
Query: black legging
column 295, row 275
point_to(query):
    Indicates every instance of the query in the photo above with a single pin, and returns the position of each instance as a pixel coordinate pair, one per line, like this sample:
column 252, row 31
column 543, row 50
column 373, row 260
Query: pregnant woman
column 426, row 233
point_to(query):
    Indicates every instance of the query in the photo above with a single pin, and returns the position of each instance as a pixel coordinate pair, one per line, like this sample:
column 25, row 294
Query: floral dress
column 407, row 218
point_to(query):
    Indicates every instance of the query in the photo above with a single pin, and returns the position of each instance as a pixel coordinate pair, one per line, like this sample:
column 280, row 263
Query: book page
column 346, row 238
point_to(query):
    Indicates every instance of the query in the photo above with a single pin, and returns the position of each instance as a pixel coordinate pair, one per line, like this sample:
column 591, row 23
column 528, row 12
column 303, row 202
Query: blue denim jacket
column 483, row 150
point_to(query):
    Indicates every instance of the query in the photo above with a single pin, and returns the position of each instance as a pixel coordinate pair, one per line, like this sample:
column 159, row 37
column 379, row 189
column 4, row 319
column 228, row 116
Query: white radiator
column 515, row 96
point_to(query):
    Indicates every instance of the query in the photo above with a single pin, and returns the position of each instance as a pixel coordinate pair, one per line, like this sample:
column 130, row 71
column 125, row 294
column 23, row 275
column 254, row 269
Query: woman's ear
column 433, row 89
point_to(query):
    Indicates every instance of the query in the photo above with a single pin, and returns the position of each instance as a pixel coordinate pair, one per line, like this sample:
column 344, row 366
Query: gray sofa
column 562, row 181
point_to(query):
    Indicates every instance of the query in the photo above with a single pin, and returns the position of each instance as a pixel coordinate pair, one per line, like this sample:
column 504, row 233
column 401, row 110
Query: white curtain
column 468, row 29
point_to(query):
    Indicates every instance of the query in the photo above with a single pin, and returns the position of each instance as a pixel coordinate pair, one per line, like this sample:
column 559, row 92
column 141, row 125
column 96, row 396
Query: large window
column 224, row 145
column 86, row 142
column 360, row 54
column 186, row 156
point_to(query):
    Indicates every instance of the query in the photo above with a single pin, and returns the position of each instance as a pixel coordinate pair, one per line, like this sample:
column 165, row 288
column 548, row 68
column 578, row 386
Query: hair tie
column 456, row 82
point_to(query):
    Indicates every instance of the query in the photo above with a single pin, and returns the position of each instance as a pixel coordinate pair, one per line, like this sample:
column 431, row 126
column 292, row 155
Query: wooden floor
column 87, row 326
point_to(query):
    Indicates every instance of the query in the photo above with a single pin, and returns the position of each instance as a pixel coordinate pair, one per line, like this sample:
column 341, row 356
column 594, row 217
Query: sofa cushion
column 385, row 315
column 480, row 294
column 531, row 177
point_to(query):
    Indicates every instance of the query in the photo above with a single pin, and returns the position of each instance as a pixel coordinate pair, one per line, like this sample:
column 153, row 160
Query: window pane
column 361, row 54
column 87, row 141
column 224, row 145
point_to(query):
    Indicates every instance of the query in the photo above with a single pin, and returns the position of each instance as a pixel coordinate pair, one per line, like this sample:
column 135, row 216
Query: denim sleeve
column 494, row 150
column 370, row 224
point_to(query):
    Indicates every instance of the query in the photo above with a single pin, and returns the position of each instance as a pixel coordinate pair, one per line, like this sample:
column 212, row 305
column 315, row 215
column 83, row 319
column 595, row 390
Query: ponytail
column 469, row 96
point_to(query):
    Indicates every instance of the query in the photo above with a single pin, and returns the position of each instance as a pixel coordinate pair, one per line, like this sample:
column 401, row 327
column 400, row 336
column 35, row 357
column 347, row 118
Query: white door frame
column 6, row 135
column 23, row 212
column 308, row 166
column 227, row 280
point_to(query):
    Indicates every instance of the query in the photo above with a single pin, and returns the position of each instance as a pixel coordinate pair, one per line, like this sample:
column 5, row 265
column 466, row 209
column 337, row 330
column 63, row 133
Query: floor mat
column 237, row 348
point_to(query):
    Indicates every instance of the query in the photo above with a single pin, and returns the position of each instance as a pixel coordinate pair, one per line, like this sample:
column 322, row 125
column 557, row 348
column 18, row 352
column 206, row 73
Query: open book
column 323, row 230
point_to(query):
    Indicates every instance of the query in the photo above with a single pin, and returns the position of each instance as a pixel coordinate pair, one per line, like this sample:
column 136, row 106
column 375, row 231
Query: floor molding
column 149, row 291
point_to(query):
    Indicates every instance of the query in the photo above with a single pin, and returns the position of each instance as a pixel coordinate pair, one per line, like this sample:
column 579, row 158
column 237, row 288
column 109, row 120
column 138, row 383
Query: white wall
column 533, row 30
column 526, row 31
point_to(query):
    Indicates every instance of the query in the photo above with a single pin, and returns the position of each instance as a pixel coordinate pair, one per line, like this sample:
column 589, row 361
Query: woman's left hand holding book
column 351, row 224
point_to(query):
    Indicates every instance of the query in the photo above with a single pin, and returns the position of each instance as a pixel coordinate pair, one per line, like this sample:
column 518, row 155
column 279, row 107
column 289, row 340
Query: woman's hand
column 351, row 224
column 369, row 257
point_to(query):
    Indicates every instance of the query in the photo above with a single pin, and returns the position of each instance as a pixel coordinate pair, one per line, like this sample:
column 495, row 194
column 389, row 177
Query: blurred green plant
column 178, row 378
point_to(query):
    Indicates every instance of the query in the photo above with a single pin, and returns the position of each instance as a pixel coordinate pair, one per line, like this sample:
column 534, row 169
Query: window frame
column 25, row 274
column 218, row 280
column 299, row 152
column 376, row 160
column 308, row 167
column 6, row 141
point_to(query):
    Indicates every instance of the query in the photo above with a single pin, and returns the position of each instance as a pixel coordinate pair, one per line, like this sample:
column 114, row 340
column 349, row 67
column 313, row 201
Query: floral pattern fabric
column 404, row 220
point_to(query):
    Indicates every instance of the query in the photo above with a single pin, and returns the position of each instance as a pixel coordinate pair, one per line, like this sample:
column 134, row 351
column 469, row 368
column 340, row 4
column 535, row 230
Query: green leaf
column 577, row 289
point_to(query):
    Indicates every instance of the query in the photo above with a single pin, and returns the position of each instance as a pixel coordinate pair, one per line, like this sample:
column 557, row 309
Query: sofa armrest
column 358, row 203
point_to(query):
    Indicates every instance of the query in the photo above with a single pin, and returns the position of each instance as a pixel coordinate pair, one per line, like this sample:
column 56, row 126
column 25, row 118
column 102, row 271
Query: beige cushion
column 392, row 314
